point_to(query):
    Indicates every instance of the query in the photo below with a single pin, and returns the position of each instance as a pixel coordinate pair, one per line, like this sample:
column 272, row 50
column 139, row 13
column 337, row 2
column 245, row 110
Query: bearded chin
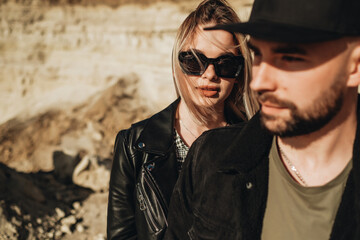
column 309, row 120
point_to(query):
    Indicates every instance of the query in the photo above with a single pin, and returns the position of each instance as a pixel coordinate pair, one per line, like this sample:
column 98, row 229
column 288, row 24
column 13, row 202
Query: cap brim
column 278, row 32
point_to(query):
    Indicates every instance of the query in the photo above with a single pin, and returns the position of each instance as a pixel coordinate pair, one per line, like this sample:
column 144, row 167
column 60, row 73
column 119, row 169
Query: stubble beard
column 302, row 122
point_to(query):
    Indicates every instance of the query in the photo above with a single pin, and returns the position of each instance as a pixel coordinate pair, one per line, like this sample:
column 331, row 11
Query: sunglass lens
column 190, row 63
column 229, row 66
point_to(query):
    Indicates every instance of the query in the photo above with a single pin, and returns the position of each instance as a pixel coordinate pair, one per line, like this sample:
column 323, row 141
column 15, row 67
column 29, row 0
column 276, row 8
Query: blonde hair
column 241, row 100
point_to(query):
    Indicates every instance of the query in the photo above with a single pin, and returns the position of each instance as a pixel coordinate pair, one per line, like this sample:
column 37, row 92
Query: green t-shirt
column 295, row 212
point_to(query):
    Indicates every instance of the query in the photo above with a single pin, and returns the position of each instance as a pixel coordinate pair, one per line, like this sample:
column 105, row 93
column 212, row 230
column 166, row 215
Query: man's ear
column 354, row 77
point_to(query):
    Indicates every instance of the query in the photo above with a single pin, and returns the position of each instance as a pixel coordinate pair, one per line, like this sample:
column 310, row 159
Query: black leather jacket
column 143, row 176
column 222, row 191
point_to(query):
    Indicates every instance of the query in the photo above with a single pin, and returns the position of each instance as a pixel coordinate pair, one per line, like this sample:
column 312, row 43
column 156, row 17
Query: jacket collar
column 250, row 146
column 253, row 144
column 157, row 135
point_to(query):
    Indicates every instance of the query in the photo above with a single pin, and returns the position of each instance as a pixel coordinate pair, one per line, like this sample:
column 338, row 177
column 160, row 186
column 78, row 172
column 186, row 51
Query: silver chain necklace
column 292, row 167
column 187, row 128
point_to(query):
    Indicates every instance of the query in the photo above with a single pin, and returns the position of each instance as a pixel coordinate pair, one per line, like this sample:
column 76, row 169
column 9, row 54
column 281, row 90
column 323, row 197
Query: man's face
column 301, row 87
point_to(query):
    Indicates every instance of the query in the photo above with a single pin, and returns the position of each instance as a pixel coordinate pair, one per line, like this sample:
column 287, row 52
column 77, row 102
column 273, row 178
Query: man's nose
column 263, row 78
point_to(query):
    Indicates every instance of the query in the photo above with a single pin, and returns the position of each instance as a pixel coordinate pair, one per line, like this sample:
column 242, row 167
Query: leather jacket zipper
column 144, row 206
column 154, row 187
column 141, row 198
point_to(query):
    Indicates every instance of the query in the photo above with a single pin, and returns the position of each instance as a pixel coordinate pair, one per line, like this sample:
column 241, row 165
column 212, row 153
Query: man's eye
column 254, row 52
column 292, row 59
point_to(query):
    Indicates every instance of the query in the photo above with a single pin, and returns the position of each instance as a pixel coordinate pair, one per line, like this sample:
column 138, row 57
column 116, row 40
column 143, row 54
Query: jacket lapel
column 159, row 158
column 157, row 136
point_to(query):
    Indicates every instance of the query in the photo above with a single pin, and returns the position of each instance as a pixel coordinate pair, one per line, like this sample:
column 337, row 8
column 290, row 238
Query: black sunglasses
column 226, row 66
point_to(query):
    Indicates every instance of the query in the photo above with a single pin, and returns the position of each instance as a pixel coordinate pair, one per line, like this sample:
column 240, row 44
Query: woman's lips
column 208, row 91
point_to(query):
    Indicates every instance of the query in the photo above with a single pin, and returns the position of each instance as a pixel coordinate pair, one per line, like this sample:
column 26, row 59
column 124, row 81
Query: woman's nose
column 210, row 72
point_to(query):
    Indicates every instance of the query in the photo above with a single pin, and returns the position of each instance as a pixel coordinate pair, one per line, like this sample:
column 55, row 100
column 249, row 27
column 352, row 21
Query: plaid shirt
column 181, row 150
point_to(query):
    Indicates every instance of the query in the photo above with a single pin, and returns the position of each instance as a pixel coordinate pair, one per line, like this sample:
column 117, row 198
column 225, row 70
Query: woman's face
column 209, row 89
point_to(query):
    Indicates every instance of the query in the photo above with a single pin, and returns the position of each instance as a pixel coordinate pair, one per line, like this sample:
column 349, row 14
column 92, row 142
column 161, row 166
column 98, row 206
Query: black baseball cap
column 300, row 21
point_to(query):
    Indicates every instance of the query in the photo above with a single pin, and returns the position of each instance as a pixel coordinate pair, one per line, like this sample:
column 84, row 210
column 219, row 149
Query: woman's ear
column 354, row 77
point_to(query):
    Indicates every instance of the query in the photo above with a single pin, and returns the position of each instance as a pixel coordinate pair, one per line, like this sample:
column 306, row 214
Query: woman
column 211, row 75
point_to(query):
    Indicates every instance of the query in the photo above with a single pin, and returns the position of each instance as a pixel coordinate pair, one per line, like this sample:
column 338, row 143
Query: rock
column 92, row 173
column 69, row 221
column 93, row 214
column 21, row 185
column 7, row 229
column 76, row 205
column 16, row 209
column 65, row 229
column 80, row 228
column 40, row 230
column 59, row 213
column 32, row 191
column 64, row 165
column 99, row 237
column 50, row 235
column 58, row 234
column 27, row 217
column 15, row 221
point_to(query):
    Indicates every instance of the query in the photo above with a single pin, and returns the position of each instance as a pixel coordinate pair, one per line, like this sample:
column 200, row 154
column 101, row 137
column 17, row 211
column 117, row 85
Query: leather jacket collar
column 160, row 126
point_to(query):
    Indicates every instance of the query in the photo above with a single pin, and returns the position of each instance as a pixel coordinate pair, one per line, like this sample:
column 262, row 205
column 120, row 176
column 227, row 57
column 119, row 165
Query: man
column 293, row 171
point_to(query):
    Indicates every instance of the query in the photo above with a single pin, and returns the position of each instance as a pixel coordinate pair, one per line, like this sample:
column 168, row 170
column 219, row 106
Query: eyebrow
column 283, row 49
